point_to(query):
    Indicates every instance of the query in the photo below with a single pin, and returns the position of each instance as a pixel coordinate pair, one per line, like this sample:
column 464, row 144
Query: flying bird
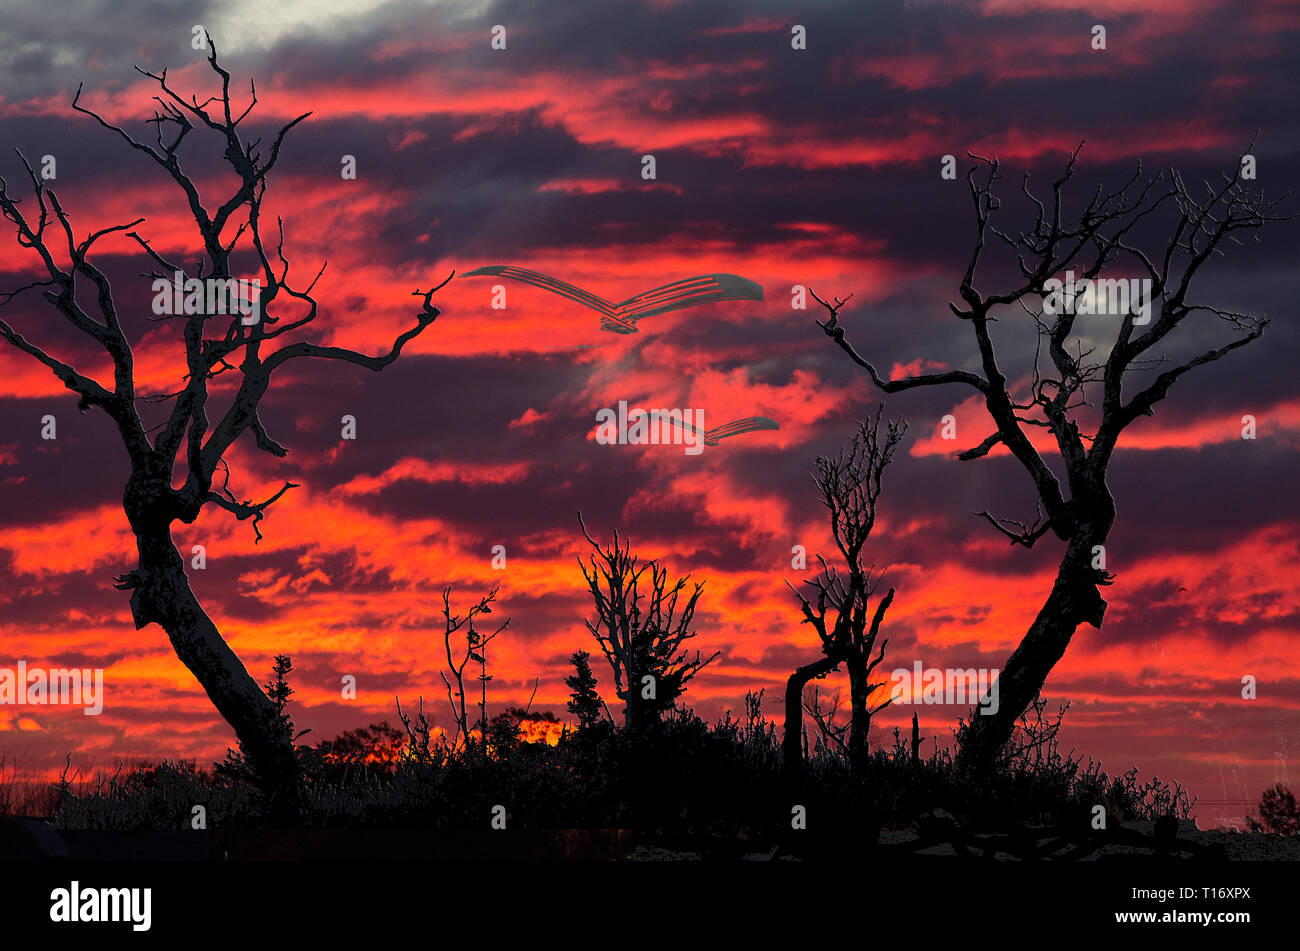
column 734, row 428
column 622, row 318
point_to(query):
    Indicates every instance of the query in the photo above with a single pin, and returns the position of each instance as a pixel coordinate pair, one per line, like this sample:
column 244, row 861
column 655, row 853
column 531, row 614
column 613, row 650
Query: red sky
column 817, row 167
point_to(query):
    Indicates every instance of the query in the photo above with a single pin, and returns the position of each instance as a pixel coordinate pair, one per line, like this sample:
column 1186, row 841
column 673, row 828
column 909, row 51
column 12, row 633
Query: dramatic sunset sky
column 818, row 167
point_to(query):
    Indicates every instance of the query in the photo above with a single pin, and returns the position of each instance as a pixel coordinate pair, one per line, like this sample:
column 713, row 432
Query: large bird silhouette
column 734, row 428
column 622, row 318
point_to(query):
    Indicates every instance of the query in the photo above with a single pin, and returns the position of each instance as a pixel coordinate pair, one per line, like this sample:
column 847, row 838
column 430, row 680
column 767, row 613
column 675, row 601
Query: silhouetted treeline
column 680, row 781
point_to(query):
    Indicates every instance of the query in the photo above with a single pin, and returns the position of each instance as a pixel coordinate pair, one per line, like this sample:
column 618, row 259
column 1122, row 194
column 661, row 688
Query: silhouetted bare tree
column 474, row 649
column 638, row 642
column 850, row 485
column 214, row 343
column 1082, row 512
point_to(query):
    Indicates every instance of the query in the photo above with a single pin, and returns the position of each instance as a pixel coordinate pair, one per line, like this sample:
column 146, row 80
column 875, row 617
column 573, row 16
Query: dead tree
column 830, row 732
column 474, row 649
column 641, row 631
column 188, row 440
column 1129, row 378
column 849, row 485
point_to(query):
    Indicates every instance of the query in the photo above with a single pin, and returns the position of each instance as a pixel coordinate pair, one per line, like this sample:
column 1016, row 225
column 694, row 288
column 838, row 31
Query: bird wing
column 738, row 426
column 690, row 428
column 689, row 292
column 622, row 318
column 610, row 317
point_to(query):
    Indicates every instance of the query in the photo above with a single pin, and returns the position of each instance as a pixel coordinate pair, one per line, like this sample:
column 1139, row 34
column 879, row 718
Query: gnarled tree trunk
column 792, row 739
column 1074, row 600
column 161, row 594
column 860, row 717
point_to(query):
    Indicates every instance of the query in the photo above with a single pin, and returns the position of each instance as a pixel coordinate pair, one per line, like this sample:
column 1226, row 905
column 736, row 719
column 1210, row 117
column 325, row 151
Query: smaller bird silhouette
column 622, row 318
column 734, row 428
